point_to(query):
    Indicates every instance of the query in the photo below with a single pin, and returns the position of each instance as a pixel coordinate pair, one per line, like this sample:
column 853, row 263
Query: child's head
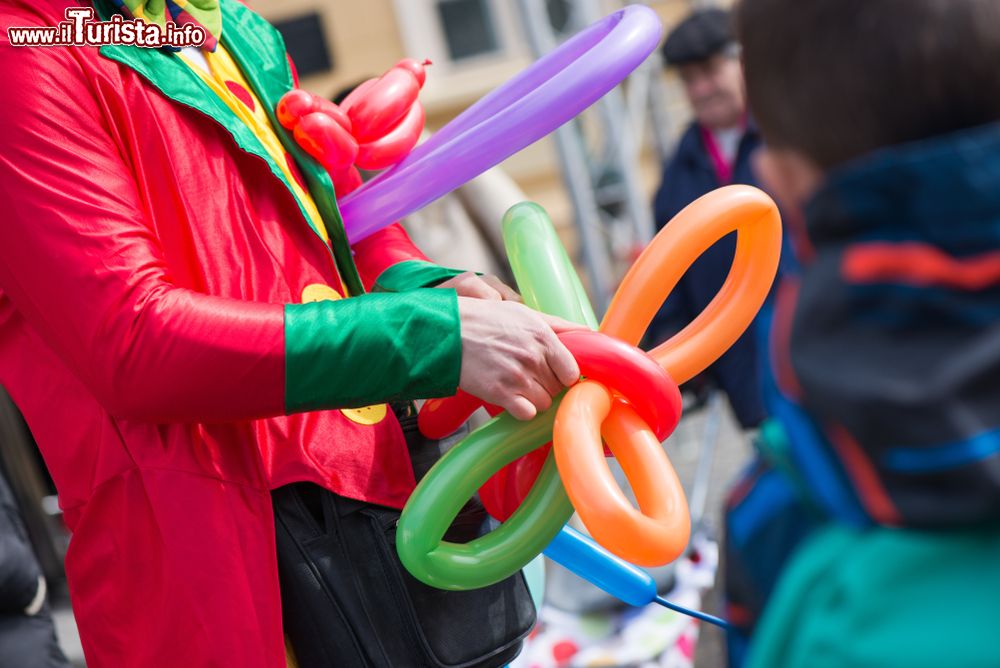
column 831, row 80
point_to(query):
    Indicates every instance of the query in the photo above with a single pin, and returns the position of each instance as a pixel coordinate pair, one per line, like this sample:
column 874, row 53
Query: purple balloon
column 520, row 112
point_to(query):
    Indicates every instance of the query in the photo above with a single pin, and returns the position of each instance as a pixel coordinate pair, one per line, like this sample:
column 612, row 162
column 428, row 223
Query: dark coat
column 26, row 641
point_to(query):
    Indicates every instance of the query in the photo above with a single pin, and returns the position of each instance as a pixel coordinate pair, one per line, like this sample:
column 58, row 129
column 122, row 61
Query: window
column 306, row 43
column 468, row 28
column 461, row 36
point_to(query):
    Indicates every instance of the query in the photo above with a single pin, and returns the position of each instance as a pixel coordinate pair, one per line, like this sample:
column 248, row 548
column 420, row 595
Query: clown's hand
column 511, row 356
column 487, row 286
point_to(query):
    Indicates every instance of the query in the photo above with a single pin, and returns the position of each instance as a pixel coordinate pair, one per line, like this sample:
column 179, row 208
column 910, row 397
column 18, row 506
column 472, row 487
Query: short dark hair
column 836, row 79
column 703, row 34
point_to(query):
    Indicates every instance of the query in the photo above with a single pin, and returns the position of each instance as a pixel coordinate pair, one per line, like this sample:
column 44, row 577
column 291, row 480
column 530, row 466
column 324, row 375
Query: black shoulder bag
column 348, row 602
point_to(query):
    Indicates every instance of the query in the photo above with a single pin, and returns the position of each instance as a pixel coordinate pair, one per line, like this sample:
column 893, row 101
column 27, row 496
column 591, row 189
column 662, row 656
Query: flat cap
column 700, row 36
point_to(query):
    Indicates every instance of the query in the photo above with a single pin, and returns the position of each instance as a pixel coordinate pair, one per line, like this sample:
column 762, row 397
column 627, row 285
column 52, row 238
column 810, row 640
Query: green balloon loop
column 446, row 488
column 548, row 283
column 545, row 276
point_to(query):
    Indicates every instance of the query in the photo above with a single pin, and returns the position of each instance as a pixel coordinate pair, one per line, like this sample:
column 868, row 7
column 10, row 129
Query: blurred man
column 713, row 152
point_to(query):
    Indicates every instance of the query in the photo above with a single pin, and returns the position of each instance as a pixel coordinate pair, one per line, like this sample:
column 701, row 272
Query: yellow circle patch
column 367, row 414
column 317, row 292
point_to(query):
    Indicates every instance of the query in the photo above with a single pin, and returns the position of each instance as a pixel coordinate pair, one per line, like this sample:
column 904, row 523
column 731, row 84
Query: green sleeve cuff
column 413, row 274
column 371, row 349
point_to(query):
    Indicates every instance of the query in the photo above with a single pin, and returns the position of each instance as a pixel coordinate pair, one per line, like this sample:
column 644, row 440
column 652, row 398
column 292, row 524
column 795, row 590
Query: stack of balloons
column 627, row 399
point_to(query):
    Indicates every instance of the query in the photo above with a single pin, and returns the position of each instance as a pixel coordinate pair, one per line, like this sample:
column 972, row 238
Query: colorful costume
column 155, row 264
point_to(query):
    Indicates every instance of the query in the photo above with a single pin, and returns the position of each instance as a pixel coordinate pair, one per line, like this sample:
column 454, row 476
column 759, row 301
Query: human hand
column 511, row 356
column 470, row 284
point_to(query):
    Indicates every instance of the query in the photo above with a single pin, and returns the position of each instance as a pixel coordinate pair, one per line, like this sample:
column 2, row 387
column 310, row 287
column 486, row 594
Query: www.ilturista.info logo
column 80, row 29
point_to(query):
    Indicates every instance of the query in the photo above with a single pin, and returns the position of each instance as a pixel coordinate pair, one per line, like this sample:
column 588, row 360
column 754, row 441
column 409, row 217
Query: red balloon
column 505, row 490
column 632, row 373
column 375, row 126
column 382, row 104
column 415, row 67
column 334, row 112
column 346, row 181
column 327, row 141
column 293, row 105
column 492, row 494
column 396, row 144
column 439, row 417
column 356, row 94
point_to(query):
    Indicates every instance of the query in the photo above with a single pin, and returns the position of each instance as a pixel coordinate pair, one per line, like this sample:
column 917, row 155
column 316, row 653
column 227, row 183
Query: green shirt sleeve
column 371, row 349
column 413, row 274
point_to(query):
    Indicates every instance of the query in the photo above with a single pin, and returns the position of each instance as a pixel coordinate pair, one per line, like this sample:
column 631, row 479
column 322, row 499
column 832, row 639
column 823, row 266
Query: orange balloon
column 741, row 209
column 658, row 531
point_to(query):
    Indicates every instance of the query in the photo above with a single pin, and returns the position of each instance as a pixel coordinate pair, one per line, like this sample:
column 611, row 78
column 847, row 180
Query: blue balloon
column 627, row 582
column 581, row 555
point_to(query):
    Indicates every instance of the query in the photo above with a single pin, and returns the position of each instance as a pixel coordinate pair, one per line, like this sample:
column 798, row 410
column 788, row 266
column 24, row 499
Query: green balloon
column 548, row 283
column 455, row 478
column 545, row 276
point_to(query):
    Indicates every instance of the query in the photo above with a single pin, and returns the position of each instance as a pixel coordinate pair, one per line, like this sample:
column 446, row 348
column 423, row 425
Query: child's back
column 881, row 121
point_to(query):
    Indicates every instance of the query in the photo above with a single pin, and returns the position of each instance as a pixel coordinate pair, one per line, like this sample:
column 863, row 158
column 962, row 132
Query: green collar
column 259, row 51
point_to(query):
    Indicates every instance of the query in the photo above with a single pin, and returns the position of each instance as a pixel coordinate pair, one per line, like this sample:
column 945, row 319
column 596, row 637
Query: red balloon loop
column 631, row 373
column 440, row 417
column 293, row 105
column 327, row 141
column 395, row 144
column 347, row 181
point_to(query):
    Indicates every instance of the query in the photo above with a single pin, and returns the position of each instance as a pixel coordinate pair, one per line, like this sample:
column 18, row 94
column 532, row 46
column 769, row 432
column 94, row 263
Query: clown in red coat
column 171, row 326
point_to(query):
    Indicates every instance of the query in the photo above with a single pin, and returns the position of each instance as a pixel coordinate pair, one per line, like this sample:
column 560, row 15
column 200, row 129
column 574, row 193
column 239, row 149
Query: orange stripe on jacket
column 864, row 476
column 919, row 264
column 785, row 299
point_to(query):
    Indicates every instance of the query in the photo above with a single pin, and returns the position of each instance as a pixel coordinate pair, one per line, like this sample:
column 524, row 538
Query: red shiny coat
column 144, row 263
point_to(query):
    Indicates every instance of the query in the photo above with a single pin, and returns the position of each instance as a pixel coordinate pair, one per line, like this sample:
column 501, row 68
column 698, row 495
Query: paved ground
column 66, row 630
column 731, row 455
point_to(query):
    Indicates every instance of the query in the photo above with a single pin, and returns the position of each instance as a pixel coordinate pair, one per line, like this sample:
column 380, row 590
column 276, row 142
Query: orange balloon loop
column 657, row 532
column 741, row 209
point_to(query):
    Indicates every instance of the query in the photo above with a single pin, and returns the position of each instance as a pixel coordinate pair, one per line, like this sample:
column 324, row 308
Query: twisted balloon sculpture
column 633, row 408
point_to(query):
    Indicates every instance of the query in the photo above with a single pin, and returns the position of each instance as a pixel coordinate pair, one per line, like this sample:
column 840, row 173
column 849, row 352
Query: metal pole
column 659, row 114
column 698, row 498
column 616, row 121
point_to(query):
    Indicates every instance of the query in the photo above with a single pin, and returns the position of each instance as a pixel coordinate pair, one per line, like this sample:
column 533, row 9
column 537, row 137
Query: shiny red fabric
column 376, row 253
column 144, row 264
